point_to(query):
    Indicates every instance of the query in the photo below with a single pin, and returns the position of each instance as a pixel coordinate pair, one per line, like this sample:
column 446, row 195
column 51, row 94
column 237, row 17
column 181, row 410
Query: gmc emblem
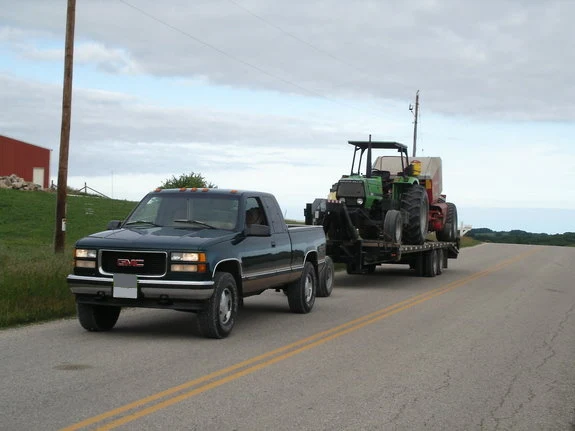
column 138, row 263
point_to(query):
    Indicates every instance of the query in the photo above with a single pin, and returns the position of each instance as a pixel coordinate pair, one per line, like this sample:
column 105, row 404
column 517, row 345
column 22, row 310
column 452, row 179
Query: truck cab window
column 254, row 212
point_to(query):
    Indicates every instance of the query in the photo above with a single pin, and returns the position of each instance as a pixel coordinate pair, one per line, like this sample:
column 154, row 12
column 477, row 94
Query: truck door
column 281, row 241
column 259, row 255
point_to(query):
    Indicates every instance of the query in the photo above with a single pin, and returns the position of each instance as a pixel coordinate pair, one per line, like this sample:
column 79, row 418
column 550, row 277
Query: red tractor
column 442, row 214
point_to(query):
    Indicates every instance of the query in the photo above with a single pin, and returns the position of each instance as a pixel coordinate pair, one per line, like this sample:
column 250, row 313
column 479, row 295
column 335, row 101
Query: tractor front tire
column 393, row 226
column 415, row 203
column 449, row 232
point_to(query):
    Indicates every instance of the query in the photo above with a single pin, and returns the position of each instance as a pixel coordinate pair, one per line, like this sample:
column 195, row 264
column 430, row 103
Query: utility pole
column 415, row 122
column 60, row 232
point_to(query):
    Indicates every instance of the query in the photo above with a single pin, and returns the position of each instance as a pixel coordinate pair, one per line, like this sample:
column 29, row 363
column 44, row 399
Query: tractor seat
column 384, row 175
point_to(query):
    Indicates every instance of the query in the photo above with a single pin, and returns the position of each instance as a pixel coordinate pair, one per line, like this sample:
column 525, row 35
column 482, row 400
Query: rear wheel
column 218, row 319
column 439, row 261
column 325, row 286
column 449, row 231
column 97, row 318
column 301, row 293
column 414, row 201
column 429, row 263
column 393, row 226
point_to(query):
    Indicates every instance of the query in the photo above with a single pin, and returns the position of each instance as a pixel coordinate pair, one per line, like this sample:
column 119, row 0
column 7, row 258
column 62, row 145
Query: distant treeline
column 522, row 237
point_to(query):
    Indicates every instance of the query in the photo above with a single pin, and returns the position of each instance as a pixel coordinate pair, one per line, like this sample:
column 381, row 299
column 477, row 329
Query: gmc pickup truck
column 198, row 250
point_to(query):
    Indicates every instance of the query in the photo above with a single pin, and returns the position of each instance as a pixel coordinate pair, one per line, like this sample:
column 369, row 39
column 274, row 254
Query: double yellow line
column 176, row 394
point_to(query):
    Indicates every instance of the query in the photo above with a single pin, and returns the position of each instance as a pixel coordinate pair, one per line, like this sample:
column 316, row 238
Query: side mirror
column 257, row 230
column 114, row 224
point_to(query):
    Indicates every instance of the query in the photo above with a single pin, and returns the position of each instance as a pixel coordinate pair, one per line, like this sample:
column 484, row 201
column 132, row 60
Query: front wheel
column 97, row 318
column 218, row 319
column 393, row 226
column 301, row 293
column 325, row 286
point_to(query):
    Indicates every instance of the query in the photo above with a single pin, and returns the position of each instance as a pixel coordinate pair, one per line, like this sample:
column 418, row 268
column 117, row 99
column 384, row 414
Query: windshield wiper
column 201, row 223
column 141, row 222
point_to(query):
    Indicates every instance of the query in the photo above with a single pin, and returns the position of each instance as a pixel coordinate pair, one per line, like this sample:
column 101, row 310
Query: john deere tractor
column 380, row 204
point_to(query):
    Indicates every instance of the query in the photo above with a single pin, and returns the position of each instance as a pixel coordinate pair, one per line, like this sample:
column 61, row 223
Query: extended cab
column 199, row 250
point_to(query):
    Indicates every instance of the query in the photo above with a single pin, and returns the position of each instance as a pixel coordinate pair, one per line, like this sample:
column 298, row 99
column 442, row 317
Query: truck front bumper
column 147, row 288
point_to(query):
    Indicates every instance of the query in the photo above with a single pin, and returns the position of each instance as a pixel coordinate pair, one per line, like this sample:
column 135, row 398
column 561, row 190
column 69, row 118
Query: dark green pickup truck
column 199, row 250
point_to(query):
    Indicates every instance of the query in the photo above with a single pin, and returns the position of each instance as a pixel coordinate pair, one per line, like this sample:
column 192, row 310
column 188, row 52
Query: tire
column 369, row 269
column 218, row 319
column 414, row 201
column 449, row 232
column 393, row 226
column 97, row 318
column 429, row 263
column 439, row 261
column 301, row 293
column 325, row 286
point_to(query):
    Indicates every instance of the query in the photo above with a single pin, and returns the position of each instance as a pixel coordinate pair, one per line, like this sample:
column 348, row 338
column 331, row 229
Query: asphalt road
column 488, row 345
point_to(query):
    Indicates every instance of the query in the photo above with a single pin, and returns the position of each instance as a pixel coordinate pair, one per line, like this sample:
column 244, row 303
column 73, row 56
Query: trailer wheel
column 439, row 261
column 301, row 293
column 418, row 264
column 449, row 232
column 370, row 269
column 97, row 318
column 218, row 319
column 325, row 286
column 393, row 226
column 414, row 201
column 429, row 263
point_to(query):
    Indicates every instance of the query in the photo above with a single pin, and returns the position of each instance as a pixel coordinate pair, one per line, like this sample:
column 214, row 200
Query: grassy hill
column 32, row 278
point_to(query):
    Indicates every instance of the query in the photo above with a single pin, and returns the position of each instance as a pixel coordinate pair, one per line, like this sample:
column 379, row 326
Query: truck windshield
column 186, row 211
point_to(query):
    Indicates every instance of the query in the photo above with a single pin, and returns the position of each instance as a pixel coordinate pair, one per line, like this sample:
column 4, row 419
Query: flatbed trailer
column 362, row 256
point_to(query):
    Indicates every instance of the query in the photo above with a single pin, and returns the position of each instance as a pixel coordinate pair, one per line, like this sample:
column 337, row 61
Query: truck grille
column 133, row 262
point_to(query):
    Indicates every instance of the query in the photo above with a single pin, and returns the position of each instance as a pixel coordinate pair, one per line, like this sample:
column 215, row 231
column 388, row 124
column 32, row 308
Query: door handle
column 273, row 243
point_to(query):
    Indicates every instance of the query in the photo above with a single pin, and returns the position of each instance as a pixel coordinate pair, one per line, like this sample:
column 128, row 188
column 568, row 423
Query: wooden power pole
column 60, row 232
column 415, row 123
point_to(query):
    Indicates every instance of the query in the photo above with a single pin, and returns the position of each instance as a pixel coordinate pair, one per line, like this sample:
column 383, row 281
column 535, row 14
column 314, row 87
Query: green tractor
column 379, row 205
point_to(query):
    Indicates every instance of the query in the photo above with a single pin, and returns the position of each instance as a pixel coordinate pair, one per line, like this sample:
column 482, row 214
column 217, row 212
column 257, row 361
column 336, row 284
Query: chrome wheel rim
column 225, row 311
column 308, row 288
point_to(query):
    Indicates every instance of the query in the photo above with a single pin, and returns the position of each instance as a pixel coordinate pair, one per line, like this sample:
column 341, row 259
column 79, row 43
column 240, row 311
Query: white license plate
column 125, row 286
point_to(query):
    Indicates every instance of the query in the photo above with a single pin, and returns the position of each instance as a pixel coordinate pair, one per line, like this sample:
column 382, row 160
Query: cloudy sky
column 265, row 94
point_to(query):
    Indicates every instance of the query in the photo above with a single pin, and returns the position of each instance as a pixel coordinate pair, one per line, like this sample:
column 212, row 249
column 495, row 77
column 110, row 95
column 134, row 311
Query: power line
column 239, row 60
column 299, row 39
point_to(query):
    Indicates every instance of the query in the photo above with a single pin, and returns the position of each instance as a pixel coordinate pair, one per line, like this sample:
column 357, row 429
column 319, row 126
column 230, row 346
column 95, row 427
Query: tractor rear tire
column 393, row 226
column 414, row 201
column 449, row 232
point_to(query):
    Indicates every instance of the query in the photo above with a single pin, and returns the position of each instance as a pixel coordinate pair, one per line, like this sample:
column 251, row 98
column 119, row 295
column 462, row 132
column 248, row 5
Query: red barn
column 29, row 162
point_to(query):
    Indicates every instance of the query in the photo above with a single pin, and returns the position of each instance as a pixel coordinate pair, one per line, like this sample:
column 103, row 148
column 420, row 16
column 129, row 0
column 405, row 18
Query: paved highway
column 488, row 345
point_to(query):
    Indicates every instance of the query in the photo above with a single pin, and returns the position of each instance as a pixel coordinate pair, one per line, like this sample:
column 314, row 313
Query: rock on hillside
column 15, row 182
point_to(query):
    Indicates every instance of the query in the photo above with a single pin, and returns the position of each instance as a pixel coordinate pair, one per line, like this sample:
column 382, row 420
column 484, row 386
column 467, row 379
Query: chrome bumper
column 173, row 289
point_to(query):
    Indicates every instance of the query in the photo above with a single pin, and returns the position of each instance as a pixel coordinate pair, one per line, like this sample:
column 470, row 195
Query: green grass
column 32, row 277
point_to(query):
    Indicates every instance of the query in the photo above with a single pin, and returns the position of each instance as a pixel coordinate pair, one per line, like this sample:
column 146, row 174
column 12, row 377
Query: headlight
column 188, row 257
column 186, row 267
column 83, row 253
column 360, row 201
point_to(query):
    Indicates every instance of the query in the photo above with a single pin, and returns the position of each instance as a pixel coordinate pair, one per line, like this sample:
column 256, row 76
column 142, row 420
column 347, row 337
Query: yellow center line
column 260, row 361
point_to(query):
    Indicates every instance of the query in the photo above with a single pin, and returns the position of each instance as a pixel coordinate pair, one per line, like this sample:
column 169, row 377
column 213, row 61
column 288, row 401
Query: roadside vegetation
column 522, row 237
column 32, row 278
